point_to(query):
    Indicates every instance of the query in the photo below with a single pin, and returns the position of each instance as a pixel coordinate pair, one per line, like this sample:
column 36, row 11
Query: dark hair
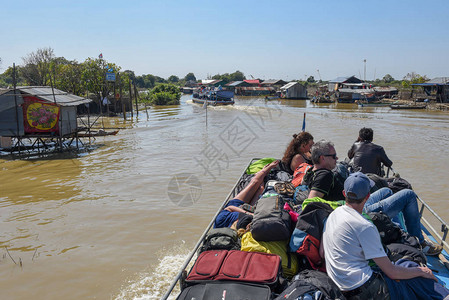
column 322, row 147
column 352, row 198
column 366, row 134
column 293, row 148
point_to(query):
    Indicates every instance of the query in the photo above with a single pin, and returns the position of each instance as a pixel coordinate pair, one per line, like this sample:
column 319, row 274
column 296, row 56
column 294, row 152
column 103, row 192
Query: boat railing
column 439, row 236
column 425, row 209
column 181, row 272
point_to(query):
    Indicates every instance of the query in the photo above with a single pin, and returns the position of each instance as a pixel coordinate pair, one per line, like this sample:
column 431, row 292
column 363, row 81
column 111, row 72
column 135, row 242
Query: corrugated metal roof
column 255, row 88
column 289, row 85
column 343, row 79
column 439, row 80
column 234, row 83
column 273, row 81
column 46, row 93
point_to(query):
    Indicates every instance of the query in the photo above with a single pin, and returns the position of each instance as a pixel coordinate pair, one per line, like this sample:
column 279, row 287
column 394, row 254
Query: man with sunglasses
column 320, row 179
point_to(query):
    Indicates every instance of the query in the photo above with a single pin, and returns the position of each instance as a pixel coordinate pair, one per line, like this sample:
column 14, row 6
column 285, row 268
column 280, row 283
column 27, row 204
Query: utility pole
column 364, row 73
column 319, row 75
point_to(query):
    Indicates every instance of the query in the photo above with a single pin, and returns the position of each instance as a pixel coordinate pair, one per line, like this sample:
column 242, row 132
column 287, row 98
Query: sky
column 263, row 39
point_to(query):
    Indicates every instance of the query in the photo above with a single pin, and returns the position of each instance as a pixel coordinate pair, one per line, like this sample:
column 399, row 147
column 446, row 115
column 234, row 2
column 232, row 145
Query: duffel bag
column 225, row 290
column 236, row 265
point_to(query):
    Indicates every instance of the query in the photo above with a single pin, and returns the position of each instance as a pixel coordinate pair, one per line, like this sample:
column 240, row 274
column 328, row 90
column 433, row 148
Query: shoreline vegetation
column 97, row 79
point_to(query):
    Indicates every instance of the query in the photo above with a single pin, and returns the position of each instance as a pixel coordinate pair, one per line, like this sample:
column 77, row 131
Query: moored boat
column 213, row 97
column 408, row 106
column 438, row 264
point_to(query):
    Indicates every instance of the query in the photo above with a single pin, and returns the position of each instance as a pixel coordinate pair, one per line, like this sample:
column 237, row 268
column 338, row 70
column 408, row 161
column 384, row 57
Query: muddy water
column 117, row 222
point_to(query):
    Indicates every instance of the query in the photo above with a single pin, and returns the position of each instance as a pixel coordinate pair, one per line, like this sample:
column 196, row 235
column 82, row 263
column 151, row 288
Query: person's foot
column 429, row 248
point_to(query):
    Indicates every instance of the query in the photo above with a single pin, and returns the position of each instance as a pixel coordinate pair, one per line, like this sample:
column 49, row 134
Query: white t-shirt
column 349, row 241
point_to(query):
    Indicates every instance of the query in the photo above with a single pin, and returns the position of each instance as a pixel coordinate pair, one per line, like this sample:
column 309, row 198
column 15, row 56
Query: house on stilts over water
column 39, row 119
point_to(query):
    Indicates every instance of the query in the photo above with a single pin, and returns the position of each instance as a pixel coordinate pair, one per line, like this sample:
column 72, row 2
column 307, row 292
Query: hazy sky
column 266, row 39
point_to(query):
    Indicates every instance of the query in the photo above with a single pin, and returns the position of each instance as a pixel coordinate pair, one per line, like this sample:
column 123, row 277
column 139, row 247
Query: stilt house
column 38, row 111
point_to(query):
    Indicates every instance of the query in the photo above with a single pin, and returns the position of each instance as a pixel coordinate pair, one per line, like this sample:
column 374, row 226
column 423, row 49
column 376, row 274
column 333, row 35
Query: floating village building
column 38, row 114
column 294, row 90
column 436, row 89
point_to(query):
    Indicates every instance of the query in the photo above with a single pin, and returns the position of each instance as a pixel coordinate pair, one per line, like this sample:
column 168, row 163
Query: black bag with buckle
column 221, row 239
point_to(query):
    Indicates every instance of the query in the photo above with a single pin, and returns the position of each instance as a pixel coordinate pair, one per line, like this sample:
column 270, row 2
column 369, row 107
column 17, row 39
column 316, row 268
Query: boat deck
column 438, row 264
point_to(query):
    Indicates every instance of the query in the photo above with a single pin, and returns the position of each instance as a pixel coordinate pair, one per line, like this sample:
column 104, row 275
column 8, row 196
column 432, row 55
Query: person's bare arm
column 314, row 193
column 232, row 208
column 398, row 272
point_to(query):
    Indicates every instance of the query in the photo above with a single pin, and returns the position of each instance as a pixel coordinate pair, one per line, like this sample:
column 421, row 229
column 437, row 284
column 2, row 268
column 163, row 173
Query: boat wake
column 153, row 284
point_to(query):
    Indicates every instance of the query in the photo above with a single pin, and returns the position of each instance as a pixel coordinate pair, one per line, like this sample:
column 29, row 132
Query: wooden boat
column 362, row 103
column 408, row 106
column 97, row 133
column 213, row 97
column 438, row 264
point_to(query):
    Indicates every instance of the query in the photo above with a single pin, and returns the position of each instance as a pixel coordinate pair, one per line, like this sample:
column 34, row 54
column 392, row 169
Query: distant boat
column 372, row 104
column 213, row 97
column 408, row 106
column 271, row 98
column 97, row 133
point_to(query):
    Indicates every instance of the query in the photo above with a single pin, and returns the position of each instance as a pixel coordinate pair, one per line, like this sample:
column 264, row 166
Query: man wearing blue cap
column 349, row 241
column 322, row 184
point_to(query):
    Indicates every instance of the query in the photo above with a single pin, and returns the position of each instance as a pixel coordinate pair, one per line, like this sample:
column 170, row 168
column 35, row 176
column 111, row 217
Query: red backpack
column 310, row 248
column 299, row 173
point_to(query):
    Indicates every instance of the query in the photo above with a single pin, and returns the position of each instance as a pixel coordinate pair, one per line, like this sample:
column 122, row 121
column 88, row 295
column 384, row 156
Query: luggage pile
column 279, row 257
column 261, row 264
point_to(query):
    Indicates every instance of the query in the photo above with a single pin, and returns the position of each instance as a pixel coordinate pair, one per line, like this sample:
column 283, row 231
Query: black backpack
column 380, row 182
column 221, row 239
column 315, row 283
column 397, row 251
column 388, row 231
column 397, row 183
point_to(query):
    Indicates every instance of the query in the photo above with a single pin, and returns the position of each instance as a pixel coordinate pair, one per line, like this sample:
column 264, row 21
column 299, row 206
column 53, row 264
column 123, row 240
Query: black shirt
column 324, row 181
column 368, row 157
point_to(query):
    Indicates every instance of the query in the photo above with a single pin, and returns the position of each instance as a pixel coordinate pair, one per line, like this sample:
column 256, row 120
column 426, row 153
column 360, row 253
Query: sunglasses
column 334, row 156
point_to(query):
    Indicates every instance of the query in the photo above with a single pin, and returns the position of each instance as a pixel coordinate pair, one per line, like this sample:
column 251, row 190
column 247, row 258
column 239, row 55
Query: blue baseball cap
column 357, row 186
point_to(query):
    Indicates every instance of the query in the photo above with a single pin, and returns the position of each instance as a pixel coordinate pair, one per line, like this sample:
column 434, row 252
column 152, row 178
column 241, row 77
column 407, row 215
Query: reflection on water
column 104, row 220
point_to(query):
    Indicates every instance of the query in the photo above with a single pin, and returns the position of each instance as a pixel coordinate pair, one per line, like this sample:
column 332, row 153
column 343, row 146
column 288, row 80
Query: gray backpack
column 271, row 221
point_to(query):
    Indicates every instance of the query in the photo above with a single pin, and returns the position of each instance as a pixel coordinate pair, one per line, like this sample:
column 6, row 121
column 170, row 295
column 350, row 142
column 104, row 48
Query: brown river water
column 117, row 222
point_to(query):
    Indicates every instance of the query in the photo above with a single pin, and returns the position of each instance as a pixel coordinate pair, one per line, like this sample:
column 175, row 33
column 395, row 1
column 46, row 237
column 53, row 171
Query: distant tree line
column 43, row 68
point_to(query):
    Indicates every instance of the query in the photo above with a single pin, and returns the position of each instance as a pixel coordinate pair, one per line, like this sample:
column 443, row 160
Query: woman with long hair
column 298, row 151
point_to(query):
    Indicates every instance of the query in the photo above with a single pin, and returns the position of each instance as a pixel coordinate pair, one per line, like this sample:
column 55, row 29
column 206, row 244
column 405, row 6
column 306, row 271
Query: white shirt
column 349, row 241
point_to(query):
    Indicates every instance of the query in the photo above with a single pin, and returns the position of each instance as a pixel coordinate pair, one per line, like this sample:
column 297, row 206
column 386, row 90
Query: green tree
column 190, row 77
column 388, row 78
column 173, row 79
column 311, row 79
column 94, row 75
column 237, row 76
column 164, row 94
column 6, row 79
column 69, row 78
column 412, row 78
